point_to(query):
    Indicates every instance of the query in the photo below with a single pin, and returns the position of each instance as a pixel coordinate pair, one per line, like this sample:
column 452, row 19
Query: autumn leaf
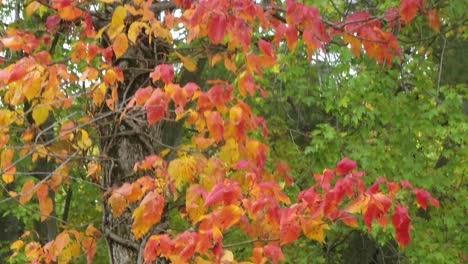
column 70, row 13
column 40, row 113
column 45, row 207
column 422, row 196
column 117, row 23
column 156, row 106
column 433, row 19
column 401, row 222
column 182, row 170
column 165, row 72
column 355, row 43
column 274, row 253
column 345, row 165
column 217, row 28
column 313, row 228
column 26, row 191
column 187, row 62
column 147, row 214
column 120, row 45
column 215, row 125
column 135, row 29
column 408, row 9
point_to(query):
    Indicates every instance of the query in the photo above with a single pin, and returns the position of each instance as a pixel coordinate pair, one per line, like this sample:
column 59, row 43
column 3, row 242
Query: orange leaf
column 120, row 45
column 42, row 191
column 70, row 13
column 433, row 19
column 45, row 207
column 26, row 192
column 355, row 43
column 214, row 122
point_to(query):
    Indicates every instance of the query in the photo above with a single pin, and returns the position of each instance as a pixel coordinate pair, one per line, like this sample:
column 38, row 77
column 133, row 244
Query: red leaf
column 274, row 252
column 289, row 226
column 17, row 72
column 165, row 72
column 401, row 222
column 345, row 165
column 422, row 196
column 266, row 47
column 52, row 22
column 408, row 9
column 156, row 106
column 217, row 28
column 221, row 192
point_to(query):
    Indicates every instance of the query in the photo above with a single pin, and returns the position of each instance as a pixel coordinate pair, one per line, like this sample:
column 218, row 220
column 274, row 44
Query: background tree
column 147, row 113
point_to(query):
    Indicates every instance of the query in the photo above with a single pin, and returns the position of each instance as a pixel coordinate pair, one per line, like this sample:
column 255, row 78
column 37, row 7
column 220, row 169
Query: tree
column 114, row 95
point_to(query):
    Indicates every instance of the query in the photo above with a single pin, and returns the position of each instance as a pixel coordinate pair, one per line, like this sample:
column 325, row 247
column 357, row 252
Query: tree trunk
column 127, row 141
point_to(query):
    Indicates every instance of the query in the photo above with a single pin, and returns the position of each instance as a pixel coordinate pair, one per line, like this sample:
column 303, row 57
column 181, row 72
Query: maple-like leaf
column 401, row 222
column 408, row 9
column 422, row 196
column 355, row 43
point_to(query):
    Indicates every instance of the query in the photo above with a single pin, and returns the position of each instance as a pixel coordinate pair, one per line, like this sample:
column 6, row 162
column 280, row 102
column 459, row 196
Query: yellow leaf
column 135, row 29
column 6, row 157
column 84, row 142
column 188, row 63
column 33, row 87
column 32, row 250
column 182, row 170
column 117, row 24
column 17, row 245
column 120, row 45
column 7, row 177
column 40, row 114
column 313, row 228
column 31, row 8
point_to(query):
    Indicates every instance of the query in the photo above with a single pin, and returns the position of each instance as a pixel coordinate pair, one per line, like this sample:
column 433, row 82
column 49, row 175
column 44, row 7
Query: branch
column 121, row 240
column 250, row 242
